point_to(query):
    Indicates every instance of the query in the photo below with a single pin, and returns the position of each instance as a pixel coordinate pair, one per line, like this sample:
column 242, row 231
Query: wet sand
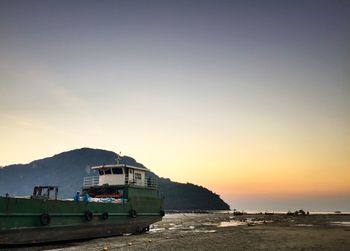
column 223, row 231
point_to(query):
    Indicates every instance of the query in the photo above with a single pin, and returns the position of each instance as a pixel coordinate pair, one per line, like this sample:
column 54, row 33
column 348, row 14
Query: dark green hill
column 188, row 196
column 67, row 170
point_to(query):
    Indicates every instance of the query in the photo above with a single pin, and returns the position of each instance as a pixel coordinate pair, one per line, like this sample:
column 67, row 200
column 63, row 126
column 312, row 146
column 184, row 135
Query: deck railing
column 91, row 181
column 149, row 182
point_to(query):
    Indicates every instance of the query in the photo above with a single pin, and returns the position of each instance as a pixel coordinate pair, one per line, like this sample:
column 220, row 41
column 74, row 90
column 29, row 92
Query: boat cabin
column 120, row 174
column 113, row 180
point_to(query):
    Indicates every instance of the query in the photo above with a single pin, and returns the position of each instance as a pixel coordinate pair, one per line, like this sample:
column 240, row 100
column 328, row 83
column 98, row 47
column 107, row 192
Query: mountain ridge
column 68, row 168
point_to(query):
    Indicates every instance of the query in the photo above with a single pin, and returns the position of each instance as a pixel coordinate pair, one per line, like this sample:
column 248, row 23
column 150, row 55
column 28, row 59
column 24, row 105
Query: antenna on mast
column 119, row 158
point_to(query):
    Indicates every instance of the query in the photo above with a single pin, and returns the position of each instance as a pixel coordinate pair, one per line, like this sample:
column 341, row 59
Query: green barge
column 122, row 199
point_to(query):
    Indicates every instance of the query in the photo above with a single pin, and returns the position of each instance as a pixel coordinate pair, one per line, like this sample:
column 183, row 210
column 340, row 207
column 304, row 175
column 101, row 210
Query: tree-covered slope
column 179, row 196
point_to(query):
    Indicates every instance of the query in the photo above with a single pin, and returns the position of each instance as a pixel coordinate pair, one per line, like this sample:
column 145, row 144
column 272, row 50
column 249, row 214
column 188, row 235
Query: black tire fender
column 162, row 213
column 45, row 219
column 133, row 213
column 89, row 215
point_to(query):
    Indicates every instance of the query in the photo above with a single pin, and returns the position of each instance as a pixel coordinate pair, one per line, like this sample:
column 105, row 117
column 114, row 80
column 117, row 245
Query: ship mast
column 118, row 158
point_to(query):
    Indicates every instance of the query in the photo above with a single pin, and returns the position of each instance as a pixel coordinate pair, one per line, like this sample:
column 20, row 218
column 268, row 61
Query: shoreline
column 251, row 213
column 223, row 231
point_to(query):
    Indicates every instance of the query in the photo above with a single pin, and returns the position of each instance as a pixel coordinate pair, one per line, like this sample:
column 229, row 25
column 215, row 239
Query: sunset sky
column 248, row 98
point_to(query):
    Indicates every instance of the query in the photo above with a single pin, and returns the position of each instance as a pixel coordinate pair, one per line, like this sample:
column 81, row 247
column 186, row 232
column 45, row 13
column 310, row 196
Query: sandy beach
column 223, row 231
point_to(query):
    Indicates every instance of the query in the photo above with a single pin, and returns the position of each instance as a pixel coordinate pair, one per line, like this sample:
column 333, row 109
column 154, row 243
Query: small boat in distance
column 122, row 199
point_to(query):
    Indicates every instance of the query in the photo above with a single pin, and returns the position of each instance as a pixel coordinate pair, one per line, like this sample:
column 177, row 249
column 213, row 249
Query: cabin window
column 138, row 176
column 117, row 170
column 108, row 171
column 101, row 172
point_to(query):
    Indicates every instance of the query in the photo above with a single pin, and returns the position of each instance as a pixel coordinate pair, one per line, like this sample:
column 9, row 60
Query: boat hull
column 66, row 233
column 27, row 221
